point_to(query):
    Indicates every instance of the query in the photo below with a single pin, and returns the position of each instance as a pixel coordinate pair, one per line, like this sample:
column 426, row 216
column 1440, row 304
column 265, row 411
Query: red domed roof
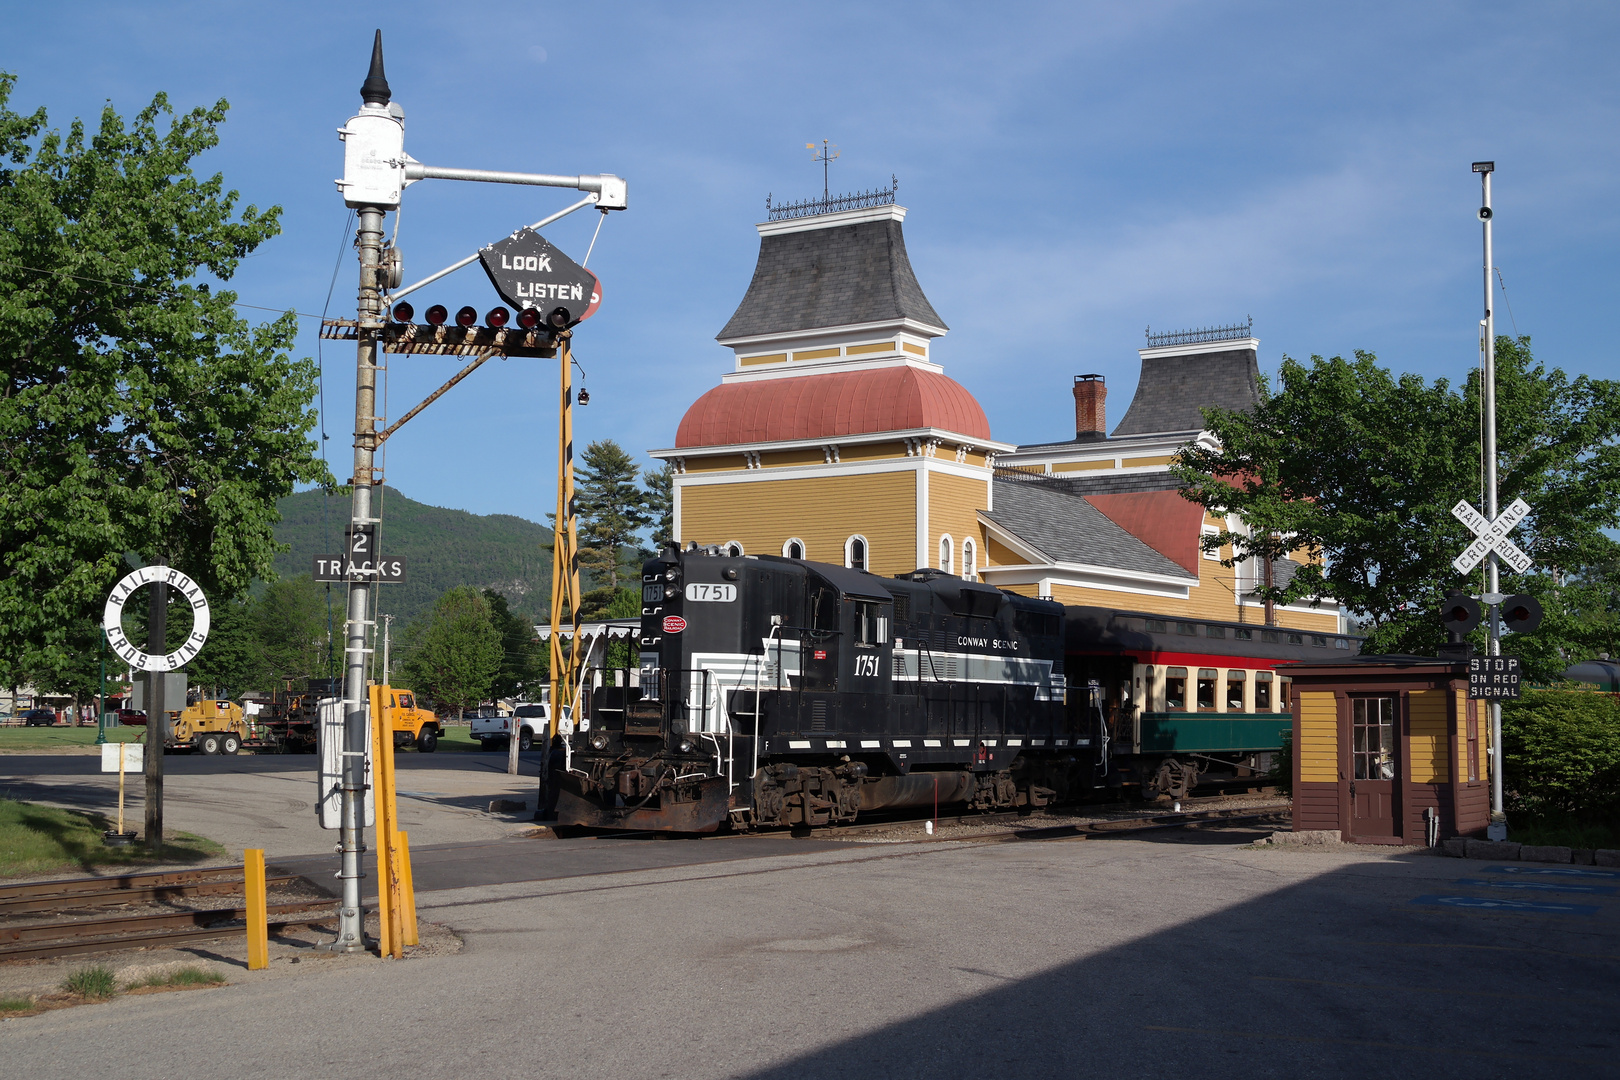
column 830, row 405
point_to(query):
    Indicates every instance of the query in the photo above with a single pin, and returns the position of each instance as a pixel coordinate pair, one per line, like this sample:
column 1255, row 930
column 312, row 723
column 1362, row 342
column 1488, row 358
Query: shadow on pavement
column 1365, row 971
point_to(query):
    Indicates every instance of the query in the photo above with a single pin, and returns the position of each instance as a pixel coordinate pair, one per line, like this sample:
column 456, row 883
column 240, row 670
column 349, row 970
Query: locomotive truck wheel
column 526, row 739
column 208, row 742
column 230, row 744
column 428, row 741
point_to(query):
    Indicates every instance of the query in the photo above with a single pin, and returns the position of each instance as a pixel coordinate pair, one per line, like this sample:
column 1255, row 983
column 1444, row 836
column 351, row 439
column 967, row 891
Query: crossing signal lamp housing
column 1521, row 614
column 1459, row 615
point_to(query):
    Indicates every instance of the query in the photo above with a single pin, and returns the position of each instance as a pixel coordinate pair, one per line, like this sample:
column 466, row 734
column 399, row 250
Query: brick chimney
column 1090, row 411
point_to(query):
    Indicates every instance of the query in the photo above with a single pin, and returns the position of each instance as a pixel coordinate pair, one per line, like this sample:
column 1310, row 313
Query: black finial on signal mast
column 374, row 91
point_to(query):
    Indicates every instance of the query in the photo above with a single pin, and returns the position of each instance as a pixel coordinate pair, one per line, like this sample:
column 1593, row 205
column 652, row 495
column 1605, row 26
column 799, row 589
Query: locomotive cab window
column 871, row 626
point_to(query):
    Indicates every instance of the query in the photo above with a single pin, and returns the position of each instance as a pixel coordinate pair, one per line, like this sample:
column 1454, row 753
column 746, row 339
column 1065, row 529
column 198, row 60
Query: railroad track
column 1079, row 830
column 126, row 889
column 63, row 937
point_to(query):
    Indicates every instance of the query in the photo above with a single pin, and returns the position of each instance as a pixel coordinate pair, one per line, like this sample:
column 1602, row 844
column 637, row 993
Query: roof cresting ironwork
column 859, row 200
column 1235, row 332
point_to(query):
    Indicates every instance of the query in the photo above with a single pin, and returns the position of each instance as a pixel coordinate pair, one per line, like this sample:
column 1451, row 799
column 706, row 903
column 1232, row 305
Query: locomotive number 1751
column 716, row 593
column 866, row 664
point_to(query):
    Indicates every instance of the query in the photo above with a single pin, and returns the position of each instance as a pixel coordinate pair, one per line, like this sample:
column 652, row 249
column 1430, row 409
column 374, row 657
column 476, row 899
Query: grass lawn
column 50, row 738
column 38, row 840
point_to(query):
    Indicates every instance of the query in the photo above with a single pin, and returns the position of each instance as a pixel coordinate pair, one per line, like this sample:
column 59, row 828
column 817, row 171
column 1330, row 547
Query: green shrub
column 186, row 976
column 1282, row 765
column 91, row 982
column 16, row 1004
column 1563, row 753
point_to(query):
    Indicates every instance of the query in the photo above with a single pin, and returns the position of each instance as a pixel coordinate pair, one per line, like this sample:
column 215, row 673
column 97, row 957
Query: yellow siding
column 821, row 511
column 1318, row 747
column 863, row 350
column 716, row 463
column 954, row 503
column 1000, row 554
column 815, row 354
column 1082, row 466
column 1137, row 462
column 871, row 451
column 812, row 455
column 773, row 358
column 910, row 348
column 1430, row 740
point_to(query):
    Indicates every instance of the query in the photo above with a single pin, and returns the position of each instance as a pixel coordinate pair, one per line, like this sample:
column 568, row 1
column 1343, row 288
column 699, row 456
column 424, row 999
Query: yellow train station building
column 836, row 437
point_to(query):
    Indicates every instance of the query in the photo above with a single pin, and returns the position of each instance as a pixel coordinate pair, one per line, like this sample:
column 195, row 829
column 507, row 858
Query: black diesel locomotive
column 777, row 691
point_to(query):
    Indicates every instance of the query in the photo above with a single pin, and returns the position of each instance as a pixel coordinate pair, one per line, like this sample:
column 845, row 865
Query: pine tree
column 612, row 510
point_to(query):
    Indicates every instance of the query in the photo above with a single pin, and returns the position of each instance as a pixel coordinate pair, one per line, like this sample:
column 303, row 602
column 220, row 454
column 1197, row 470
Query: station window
column 1262, row 691
column 1175, row 689
column 1235, row 685
column 970, row 560
column 947, row 554
column 1207, row 678
column 855, row 552
column 793, row 549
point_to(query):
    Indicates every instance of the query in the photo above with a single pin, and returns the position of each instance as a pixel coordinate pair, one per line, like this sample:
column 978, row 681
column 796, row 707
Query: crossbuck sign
column 1491, row 536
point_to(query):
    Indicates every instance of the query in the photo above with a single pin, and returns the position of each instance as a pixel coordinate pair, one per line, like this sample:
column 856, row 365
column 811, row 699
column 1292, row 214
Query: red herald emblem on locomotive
column 674, row 624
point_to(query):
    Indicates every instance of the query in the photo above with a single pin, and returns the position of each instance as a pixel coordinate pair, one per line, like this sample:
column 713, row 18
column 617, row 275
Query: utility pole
column 1497, row 830
column 388, row 624
column 157, row 717
column 376, row 170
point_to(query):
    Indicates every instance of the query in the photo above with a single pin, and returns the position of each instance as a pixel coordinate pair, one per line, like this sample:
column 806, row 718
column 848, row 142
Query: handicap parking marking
column 1554, row 871
column 1545, row 886
column 1503, row 903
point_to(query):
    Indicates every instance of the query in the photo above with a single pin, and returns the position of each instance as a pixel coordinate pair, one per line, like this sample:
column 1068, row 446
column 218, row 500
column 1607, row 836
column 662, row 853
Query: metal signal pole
column 564, row 554
column 1497, row 830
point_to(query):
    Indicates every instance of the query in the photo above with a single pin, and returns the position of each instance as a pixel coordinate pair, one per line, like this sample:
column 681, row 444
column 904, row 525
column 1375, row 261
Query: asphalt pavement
column 1170, row 956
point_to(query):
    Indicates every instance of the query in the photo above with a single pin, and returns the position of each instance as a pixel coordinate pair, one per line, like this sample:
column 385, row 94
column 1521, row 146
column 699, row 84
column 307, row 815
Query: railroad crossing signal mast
column 376, row 171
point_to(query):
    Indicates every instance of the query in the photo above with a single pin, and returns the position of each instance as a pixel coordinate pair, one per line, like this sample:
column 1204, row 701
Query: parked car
column 135, row 717
column 532, row 721
column 39, row 718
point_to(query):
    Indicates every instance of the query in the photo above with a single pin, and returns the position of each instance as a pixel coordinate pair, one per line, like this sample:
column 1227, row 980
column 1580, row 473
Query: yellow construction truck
column 208, row 726
column 412, row 726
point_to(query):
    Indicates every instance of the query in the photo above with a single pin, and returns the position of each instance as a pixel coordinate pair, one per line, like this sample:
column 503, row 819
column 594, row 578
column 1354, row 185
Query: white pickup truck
column 493, row 731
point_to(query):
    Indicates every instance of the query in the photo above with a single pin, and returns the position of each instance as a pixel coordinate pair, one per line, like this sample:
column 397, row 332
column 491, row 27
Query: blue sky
column 1074, row 173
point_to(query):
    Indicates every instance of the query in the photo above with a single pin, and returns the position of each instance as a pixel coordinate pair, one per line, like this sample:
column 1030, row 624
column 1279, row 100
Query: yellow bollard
column 390, row 939
column 407, row 890
column 258, row 927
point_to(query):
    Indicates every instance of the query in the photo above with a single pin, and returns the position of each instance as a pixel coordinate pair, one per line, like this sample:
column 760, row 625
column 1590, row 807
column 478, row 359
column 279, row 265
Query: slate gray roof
column 1103, row 483
column 1066, row 528
column 1173, row 390
column 831, row 277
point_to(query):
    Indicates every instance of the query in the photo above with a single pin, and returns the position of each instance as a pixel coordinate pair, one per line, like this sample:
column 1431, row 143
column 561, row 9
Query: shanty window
column 1373, row 731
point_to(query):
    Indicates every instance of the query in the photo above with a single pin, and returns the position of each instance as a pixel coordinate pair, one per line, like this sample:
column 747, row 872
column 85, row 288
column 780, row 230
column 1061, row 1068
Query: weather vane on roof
column 826, row 156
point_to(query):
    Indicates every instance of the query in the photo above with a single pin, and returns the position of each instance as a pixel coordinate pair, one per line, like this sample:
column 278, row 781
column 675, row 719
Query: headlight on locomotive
column 599, row 741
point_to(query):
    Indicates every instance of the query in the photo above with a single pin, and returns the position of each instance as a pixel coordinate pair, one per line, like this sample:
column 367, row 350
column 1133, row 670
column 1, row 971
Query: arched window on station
column 947, row 554
column 855, row 552
column 970, row 560
column 793, row 549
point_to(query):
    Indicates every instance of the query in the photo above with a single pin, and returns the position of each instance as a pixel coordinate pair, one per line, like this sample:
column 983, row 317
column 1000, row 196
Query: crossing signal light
column 403, row 312
column 497, row 317
column 529, row 318
column 1460, row 614
column 1521, row 614
column 467, row 316
column 436, row 315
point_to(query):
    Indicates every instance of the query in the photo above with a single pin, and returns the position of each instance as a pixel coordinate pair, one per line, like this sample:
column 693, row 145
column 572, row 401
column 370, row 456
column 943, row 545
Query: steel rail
column 138, row 940
column 107, row 897
column 121, row 881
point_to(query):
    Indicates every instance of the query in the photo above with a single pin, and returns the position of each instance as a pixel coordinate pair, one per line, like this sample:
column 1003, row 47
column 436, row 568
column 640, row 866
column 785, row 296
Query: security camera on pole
column 376, row 171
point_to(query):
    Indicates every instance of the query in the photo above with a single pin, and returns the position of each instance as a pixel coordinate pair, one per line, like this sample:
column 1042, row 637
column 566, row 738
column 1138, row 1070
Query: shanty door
column 1374, row 739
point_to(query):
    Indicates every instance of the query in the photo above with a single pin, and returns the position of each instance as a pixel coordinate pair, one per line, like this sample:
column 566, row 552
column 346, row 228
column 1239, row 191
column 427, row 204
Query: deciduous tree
column 1360, row 469
column 137, row 410
column 455, row 656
